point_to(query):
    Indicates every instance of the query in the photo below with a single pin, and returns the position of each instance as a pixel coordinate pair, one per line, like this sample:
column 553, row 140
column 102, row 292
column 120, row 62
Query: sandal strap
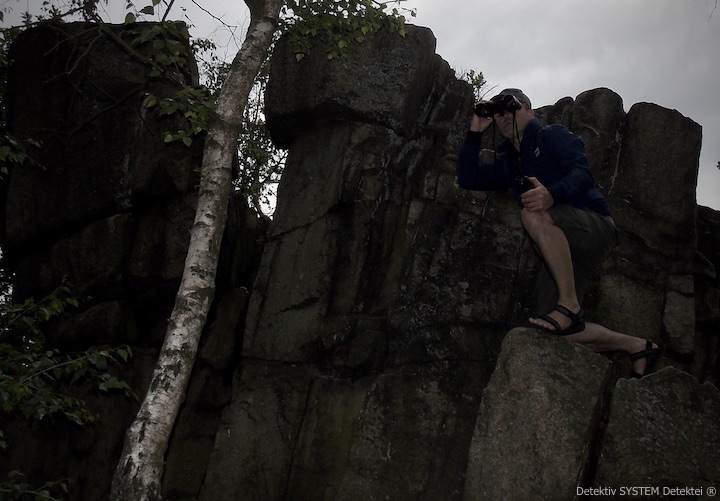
column 575, row 317
column 552, row 322
column 647, row 352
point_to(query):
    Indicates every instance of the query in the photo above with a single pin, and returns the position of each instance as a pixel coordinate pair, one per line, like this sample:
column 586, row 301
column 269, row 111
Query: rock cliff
column 372, row 349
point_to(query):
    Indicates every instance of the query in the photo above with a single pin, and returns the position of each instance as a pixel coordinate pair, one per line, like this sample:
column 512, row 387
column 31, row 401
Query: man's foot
column 644, row 361
column 561, row 321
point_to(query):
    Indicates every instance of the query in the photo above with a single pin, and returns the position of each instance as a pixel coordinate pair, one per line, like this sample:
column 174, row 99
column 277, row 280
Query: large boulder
column 339, row 90
column 102, row 150
column 663, row 433
column 539, row 418
column 707, row 295
column 366, row 215
column 653, row 196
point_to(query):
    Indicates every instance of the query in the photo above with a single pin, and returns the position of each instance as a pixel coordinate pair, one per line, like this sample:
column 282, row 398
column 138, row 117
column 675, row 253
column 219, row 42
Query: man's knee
column 534, row 221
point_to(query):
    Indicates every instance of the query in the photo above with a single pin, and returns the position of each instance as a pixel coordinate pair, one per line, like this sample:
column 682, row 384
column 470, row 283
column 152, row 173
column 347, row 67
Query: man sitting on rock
column 563, row 213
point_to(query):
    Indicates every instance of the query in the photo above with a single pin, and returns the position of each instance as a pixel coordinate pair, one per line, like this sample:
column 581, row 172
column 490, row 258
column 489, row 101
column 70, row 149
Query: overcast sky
column 665, row 52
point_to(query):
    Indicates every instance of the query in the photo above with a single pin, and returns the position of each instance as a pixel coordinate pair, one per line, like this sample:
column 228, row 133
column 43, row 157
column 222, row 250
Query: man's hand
column 479, row 124
column 538, row 198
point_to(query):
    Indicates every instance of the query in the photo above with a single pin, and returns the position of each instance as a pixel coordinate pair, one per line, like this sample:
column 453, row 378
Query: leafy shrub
column 36, row 383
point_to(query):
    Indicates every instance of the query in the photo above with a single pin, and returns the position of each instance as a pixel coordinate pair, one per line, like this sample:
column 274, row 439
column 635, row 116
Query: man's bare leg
column 552, row 244
column 600, row 339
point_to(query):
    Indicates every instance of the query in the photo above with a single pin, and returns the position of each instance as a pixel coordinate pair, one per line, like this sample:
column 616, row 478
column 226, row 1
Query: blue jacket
column 552, row 154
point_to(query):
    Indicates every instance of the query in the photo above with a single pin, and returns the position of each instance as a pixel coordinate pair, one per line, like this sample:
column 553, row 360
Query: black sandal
column 576, row 326
column 652, row 355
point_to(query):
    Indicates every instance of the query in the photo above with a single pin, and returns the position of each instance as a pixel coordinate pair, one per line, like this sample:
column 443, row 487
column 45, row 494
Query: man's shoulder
column 556, row 135
column 554, row 129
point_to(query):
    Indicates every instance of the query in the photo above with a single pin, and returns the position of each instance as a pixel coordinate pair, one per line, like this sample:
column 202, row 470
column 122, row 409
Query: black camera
column 523, row 184
column 499, row 105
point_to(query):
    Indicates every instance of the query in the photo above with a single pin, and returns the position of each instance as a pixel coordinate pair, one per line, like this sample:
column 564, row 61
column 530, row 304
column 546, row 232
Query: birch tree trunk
column 139, row 472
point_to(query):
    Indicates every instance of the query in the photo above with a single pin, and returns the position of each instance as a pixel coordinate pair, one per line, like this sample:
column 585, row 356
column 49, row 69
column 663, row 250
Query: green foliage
column 169, row 53
column 337, row 24
column 476, row 81
column 148, row 10
column 16, row 488
column 36, row 382
column 260, row 162
column 211, row 68
column 13, row 151
column 33, row 379
column 193, row 103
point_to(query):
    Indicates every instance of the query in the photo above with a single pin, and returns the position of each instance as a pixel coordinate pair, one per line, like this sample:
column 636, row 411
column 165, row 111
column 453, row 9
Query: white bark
column 139, row 471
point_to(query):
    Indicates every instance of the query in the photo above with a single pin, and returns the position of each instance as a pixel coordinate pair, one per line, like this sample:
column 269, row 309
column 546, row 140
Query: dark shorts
column 592, row 238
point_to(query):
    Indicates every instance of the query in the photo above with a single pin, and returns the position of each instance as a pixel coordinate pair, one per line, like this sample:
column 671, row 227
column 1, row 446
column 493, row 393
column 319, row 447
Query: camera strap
column 539, row 140
column 518, row 159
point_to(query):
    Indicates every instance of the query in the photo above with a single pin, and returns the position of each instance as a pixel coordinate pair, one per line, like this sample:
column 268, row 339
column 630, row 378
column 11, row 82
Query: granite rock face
column 663, row 427
column 538, row 420
column 376, row 262
column 359, row 348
